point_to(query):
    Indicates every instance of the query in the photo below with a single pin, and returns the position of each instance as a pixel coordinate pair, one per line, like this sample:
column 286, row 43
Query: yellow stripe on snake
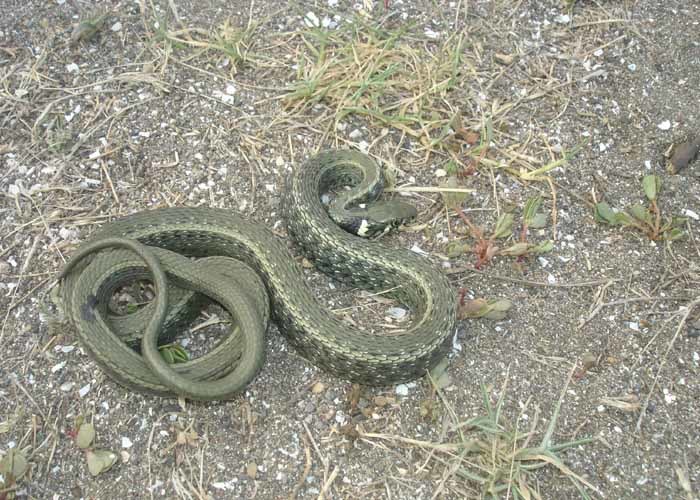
column 160, row 244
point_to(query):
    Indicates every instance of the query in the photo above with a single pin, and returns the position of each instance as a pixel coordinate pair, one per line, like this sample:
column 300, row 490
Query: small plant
column 486, row 246
column 492, row 457
column 391, row 78
column 646, row 219
column 173, row 353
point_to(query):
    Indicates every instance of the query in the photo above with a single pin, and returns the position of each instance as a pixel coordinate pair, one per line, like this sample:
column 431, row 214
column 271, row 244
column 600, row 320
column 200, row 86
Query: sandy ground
column 142, row 113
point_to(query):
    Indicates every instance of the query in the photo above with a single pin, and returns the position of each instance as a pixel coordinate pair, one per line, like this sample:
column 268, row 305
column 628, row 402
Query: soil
column 93, row 127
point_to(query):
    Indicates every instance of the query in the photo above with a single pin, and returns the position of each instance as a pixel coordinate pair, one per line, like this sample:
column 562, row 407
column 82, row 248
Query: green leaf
column 625, row 219
column 440, row 376
column 532, row 206
column 173, row 353
column 451, row 168
column 475, row 308
column 504, row 226
column 167, row 356
column 498, row 309
column 544, row 247
column 12, row 467
column 457, row 248
column 516, row 250
column 678, row 221
column 453, row 200
column 538, row 221
column 86, row 435
column 641, row 213
column 100, row 461
column 603, row 213
column 651, row 185
column 674, row 234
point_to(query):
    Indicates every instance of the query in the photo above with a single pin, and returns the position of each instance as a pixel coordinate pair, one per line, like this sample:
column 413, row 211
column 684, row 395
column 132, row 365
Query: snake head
column 379, row 217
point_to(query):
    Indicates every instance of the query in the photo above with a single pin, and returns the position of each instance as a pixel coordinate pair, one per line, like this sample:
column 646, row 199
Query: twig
column 427, row 189
column 582, row 284
column 328, row 483
column 687, row 313
column 305, row 474
column 624, row 301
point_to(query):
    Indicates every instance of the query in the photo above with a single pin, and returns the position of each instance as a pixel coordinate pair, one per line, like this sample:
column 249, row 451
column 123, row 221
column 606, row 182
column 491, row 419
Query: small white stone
column 229, row 485
column 327, row 22
column 562, row 19
column 82, row 392
column 126, row 442
column 58, row 367
column 696, row 356
column 230, row 89
column 598, row 53
column 632, row 67
column 311, row 20
column 332, row 3
column 664, row 125
column 364, row 146
column 67, row 234
column 116, row 26
column 601, row 408
column 647, row 164
column 397, row 312
column 634, row 326
column 433, row 35
column 402, row 390
column 355, row 134
column 668, row 397
column 279, row 161
column 440, row 173
column 551, row 279
column 416, row 249
column 67, row 386
column 690, row 213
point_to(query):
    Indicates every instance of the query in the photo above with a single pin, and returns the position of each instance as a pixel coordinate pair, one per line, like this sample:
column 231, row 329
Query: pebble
column 311, row 20
column 126, row 442
column 397, row 312
column 58, row 366
column 82, row 392
column 664, row 125
column 690, row 213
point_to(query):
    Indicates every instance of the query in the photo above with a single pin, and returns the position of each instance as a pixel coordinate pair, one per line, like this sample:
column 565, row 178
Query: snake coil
column 249, row 271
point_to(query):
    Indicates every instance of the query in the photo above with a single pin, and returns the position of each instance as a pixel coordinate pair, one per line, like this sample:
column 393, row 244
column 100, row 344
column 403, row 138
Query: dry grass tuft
column 393, row 78
column 490, row 457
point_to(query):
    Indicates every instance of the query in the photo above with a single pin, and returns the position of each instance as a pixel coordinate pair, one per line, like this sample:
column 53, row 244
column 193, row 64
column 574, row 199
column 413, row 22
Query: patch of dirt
column 168, row 104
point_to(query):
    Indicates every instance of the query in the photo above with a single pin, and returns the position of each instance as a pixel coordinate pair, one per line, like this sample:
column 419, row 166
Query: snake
column 195, row 254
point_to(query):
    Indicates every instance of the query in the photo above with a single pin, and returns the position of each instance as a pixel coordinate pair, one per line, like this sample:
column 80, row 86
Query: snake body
column 267, row 270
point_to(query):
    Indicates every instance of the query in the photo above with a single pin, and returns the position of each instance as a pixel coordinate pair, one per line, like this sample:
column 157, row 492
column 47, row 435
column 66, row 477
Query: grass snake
column 249, row 271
